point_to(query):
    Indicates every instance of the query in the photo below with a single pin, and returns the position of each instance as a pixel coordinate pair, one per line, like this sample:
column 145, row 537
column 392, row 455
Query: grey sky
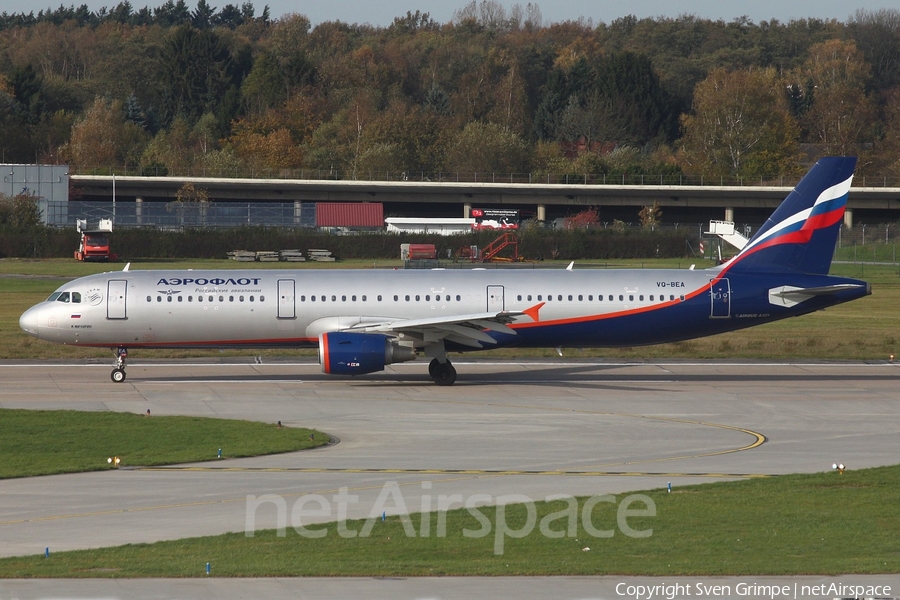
column 382, row 12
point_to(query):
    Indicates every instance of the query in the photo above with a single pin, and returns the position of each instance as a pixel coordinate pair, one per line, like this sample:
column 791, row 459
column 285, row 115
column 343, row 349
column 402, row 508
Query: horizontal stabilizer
column 789, row 295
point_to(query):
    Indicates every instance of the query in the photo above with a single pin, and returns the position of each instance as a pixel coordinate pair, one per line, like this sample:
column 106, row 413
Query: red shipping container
column 349, row 214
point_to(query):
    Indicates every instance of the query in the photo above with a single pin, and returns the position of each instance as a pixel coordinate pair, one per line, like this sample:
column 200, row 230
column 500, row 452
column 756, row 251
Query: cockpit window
column 76, row 297
column 54, row 296
column 63, row 297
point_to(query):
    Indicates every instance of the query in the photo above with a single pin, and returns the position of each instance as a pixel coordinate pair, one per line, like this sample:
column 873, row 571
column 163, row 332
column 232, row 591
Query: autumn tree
column 739, row 125
column 19, row 212
column 264, row 144
column 104, row 138
column 841, row 114
column 486, row 147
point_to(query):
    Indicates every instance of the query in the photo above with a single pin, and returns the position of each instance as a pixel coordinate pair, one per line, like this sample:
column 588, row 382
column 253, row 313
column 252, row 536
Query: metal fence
column 180, row 215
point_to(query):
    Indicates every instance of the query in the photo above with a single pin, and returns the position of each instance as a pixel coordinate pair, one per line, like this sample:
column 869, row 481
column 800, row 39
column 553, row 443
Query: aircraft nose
column 29, row 321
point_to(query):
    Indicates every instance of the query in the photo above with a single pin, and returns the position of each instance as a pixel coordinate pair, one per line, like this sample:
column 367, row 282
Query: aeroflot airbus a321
column 363, row 320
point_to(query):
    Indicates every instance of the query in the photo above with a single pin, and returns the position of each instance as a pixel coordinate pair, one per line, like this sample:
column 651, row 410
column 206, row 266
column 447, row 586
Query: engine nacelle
column 358, row 353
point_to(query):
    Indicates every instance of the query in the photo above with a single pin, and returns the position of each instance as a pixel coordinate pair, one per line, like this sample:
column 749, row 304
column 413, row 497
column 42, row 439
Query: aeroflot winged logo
column 212, row 281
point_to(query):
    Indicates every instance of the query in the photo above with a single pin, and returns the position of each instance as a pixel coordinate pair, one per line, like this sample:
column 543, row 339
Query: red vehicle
column 94, row 245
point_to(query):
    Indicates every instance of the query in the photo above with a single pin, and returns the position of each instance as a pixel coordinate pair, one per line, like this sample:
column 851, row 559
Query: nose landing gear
column 118, row 374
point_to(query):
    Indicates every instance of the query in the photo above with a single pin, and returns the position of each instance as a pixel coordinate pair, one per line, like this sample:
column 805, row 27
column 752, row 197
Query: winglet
column 533, row 311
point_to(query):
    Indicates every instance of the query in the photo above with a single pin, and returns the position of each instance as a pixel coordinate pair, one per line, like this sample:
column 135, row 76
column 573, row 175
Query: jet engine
column 358, row 353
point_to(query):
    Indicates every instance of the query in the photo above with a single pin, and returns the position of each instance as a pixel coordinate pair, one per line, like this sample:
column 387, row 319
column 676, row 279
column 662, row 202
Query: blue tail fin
column 801, row 234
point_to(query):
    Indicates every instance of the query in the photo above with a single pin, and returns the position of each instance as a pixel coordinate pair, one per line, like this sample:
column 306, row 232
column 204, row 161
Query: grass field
column 867, row 329
column 65, row 441
column 822, row 523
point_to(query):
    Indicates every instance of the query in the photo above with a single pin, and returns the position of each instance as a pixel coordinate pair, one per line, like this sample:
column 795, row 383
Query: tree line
column 160, row 90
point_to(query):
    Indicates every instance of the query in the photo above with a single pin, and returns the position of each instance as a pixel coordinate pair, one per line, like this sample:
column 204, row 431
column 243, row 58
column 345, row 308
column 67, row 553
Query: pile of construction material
column 242, row 256
column 292, row 256
column 267, row 256
column 320, row 255
column 283, row 255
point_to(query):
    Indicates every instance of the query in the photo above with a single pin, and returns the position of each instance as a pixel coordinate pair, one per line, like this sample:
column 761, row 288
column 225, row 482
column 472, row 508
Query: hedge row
column 215, row 243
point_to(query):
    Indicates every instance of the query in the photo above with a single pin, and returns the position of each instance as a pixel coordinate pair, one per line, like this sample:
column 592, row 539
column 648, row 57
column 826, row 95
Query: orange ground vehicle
column 94, row 245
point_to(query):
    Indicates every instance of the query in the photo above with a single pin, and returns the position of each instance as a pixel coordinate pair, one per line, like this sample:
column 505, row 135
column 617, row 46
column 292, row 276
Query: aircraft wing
column 467, row 330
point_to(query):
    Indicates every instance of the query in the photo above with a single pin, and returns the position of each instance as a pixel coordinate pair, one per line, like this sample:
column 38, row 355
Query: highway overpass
column 679, row 203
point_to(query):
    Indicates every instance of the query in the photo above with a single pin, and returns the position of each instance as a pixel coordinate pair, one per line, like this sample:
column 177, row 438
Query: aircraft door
column 286, row 304
column 495, row 302
column 116, row 293
column 720, row 299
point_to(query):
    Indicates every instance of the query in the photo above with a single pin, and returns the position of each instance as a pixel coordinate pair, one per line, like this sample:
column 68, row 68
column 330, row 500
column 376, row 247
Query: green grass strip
column 824, row 524
column 45, row 442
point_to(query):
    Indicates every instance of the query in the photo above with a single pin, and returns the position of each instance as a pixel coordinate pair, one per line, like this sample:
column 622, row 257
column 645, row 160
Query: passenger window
column 529, row 297
column 353, row 298
column 169, row 298
column 334, row 298
column 343, row 298
column 590, row 297
column 621, row 297
column 570, row 297
column 312, row 298
column 559, row 297
column 580, row 297
column 240, row 298
column 407, row 298
column 180, row 299
column 610, row 297
column 221, row 298
column 363, row 298
column 631, row 297
column 251, row 298
column 417, row 297
column 159, row 298
column 457, row 297
column 210, row 298
column 149, row 299
column 199, row 298
column 379, row 297
column 641, row 297
column 262, row 298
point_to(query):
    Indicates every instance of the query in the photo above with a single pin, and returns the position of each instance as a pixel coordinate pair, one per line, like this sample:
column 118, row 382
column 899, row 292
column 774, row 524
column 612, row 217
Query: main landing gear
column 118, row 374
column 442, row 373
